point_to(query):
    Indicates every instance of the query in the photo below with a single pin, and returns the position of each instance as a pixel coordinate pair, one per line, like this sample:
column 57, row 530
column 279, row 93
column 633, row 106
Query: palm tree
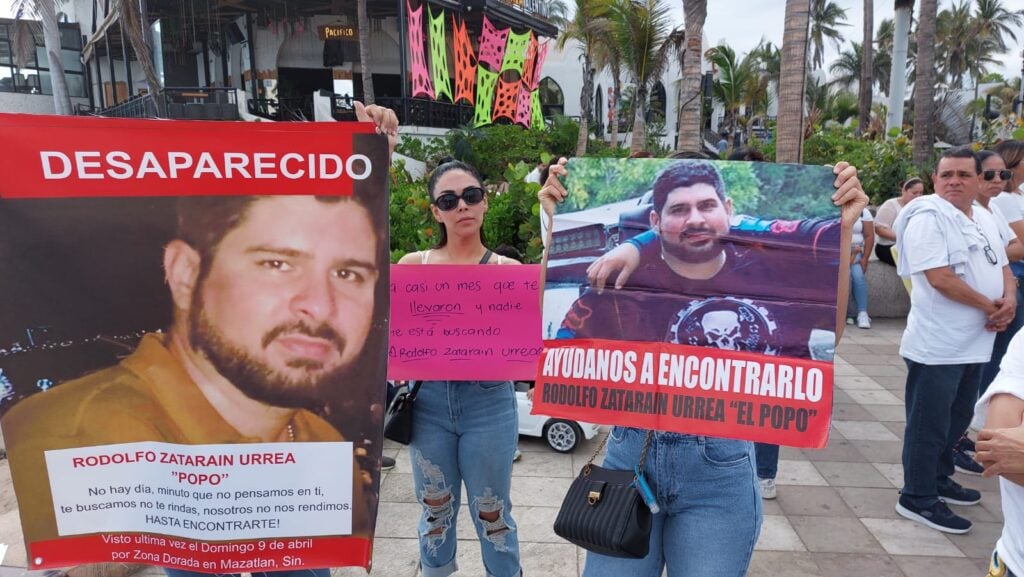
column 924, row 104
column 363, row 21
column 642, row 30
column 956, row 52
column 589, row 23
column 689, row 128
column 994, row 23
column 732, row 86
column 606, row 56
column 789, row 144
column 826, row 17
column 898, row 76
column 847, row 67
column 46, row 12
column 867, row 75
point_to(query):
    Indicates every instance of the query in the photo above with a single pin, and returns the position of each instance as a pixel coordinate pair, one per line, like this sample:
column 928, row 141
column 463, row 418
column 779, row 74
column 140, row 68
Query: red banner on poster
column 459, row 322
column 255, row 555
column 687, row 389
column 67, row 156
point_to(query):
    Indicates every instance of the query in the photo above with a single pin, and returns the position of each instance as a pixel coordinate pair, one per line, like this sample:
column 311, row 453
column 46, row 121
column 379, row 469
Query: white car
column 562, row 435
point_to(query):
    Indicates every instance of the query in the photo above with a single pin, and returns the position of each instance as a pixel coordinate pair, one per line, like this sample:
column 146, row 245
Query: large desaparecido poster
column 193, row 318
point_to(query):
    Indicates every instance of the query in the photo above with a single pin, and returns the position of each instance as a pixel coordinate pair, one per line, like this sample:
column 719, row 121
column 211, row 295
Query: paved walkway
column 834, row 516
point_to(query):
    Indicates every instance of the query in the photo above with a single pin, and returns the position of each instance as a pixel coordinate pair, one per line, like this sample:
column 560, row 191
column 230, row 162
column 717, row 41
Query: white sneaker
column 518, row 455
column 863, row 320
column 768, row 490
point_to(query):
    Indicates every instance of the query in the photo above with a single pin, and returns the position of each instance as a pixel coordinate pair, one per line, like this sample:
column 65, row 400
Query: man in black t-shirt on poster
column 695, row 245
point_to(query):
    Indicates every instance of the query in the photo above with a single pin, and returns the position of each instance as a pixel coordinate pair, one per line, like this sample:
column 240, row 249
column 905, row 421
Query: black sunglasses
column 990, row 255
column 1004, row 174
column 449, row 200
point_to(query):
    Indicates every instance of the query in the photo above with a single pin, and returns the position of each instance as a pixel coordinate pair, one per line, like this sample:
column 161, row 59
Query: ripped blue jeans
column 465, row 432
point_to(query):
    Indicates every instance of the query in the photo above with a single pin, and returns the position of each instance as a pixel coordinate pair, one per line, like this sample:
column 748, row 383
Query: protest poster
column 726, row 324
column 464, row 322
column 192, row 345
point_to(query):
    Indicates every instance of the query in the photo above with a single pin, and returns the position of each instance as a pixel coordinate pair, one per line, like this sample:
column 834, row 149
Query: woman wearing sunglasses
column 999, row 191
column 463, row 431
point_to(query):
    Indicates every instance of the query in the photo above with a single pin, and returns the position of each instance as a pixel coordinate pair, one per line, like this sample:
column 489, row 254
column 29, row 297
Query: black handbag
column 604, row 511
column 398, row 420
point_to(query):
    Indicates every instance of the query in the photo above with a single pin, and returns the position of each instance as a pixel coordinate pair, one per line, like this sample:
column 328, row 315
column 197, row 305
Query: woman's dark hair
column 448, row 164
column 984, row 155
column 547, row 169
column 748, row 154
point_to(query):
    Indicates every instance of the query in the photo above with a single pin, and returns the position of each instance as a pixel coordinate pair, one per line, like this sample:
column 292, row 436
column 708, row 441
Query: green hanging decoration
column 538, row 114
column 439, row 56
column 486, row 82
column 515, row 52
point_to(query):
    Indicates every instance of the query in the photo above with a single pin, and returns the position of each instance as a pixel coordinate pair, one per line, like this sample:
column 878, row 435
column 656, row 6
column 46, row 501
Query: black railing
column 420, row 112
column 201, row 103
column 139, row 106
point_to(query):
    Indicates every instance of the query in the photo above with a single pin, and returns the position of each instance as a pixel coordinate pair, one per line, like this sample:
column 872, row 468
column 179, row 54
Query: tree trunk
column 586, row 99
column 689, row 135
column 924, row 98
column 867, row 78
column 616, row 98
column 47, row 12
column 363, row 20
column 898, row 72
column 639, row 137
column 135, row 27
column 789, row 147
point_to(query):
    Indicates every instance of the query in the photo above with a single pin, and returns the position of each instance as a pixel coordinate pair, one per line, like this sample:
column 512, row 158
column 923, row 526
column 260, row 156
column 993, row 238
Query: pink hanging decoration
column 421, row 84
column 492, row 45
column 523, row 108
column 541, row 55
column 531, row 57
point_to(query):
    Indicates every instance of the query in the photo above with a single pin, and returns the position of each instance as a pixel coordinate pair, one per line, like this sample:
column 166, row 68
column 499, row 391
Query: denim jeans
column 859, row 282
column 465, row 432
column 940, row 405
column 290, row 573
column 1002, row 341
column 710, row 505
column 767, row 459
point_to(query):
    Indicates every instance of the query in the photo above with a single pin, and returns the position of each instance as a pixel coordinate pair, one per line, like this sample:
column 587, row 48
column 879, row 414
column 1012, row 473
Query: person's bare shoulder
column 411, row 258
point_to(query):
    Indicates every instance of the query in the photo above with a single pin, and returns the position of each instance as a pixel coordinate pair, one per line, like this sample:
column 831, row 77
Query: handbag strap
column 415, row 388
column 604, row 441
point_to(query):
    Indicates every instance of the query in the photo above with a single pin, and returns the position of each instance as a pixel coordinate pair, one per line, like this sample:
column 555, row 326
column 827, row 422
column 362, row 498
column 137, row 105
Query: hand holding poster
column 726, row 323
column 238, row 433
column 464, row 322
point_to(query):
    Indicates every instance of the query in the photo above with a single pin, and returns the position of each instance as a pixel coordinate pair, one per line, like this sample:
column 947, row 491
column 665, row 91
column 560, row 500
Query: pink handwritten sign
column 464, row 322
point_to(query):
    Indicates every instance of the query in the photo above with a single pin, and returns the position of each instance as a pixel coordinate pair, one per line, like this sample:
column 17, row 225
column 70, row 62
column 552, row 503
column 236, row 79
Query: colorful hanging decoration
column 421, row 85
column 523, row 106
column 492, row 45
column 531, row 60
column 505, row 105
column 541, row 55
column 439, row 55
column 538, row 113
column 486, row 81
column 515, row 51
column 465, row 68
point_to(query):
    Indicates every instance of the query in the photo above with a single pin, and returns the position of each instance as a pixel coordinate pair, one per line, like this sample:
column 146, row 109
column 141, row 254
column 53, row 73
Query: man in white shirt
column 962, row 293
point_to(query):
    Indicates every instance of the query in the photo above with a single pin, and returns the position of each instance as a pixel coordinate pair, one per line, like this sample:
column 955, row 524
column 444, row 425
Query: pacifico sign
column 337, row 32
